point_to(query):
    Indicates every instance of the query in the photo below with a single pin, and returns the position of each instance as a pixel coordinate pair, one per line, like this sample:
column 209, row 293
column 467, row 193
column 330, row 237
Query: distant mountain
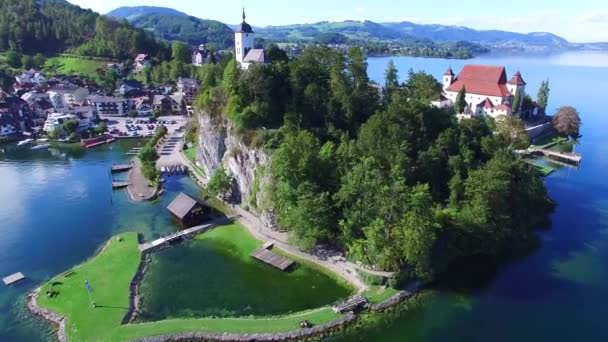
column 492, row 38
column 170, row 25
column 131, row 13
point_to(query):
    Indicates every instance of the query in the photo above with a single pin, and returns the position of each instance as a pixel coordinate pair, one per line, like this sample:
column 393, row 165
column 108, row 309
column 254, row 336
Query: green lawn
column 378, row 294
column 110, row 273
column 67, row 65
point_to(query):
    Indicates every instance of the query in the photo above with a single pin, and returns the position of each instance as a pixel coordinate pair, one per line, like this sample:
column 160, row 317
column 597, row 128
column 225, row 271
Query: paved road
column 169, row 151
column 139, row 188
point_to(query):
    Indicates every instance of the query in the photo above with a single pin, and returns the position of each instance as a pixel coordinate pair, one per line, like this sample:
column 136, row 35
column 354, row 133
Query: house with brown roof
column 488, row 92
column 187, row 211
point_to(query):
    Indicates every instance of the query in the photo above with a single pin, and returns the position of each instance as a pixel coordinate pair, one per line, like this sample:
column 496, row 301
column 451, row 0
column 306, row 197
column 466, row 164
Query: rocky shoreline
column 56, row 319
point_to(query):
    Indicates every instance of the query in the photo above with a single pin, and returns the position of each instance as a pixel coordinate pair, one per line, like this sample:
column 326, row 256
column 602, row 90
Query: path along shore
column 139, row 188
column 331, row 260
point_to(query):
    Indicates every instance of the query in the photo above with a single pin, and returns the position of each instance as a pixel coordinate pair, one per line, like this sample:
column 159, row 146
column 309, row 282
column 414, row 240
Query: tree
column 27, row 62
column 512, row 133
column 423, row 87
column 133, row 113
column 13, row 59
column 220, row 182
column 71, row 126
column 543, row 96
column 517, row 101
column 461, row 102
column 180, row 52
column 39, row 60
column 391, row 79
column 101, row 128
column 567, row 121
column 276, row 55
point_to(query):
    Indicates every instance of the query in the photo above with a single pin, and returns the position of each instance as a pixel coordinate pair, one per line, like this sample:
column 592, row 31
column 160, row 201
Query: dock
column 351, row 305
column 574, row 158
column 13, row 278
column 121, row 168
column 182, row 235
column 119, row 185
column 265, row 255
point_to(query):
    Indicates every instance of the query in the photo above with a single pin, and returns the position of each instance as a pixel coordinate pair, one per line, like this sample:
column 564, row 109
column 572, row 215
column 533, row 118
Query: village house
column 109, row 106
column 15, row 114
column 245, row 53
column 127, row 86
column 31, row 77
column 142, row 105
column 187, row 87
column 487, row 90
column 39, row 104
column 169, row 104
column 62, row 96
column 200, row 56
column 142, row 61
column 82, row 114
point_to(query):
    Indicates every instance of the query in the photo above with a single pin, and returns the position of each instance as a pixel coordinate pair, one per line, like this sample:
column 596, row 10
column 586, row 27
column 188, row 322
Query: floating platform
column 272, row 259
column 121, row 168
column 119, row 185
column 13, row 278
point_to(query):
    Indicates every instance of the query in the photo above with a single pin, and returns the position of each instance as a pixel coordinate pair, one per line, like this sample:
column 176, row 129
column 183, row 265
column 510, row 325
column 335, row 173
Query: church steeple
column 243, row 13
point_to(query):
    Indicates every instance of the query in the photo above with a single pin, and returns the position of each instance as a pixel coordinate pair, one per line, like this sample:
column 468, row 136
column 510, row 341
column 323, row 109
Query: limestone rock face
column 220, row 146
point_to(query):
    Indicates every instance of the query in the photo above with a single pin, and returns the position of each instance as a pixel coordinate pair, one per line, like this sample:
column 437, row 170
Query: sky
column 575, row 20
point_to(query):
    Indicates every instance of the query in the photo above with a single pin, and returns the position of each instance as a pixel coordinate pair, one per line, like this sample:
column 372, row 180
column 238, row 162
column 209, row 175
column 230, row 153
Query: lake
column 57, row 209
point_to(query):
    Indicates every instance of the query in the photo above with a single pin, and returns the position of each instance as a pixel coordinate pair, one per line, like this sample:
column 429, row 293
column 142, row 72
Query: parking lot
column 143, row 127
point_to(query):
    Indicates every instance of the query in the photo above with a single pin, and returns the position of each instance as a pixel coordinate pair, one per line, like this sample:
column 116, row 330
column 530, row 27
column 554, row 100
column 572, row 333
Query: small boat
column 163, row 170
column 44, row 140
column 25, row 142
column 41, row 147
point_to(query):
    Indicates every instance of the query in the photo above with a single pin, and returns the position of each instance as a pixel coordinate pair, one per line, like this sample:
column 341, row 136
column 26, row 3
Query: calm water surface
column 57, row 208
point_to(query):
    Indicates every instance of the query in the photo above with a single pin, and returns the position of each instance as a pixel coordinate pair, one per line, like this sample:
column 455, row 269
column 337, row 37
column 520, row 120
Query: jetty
column 119, row 184
column 352, row 304
column 101, row 140
column 179, row 236
column 121, row 168
column 567, row 157
column 13, row 278
column 265, row 255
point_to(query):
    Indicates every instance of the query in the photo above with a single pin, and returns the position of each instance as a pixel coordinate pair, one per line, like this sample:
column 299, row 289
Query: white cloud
column 593, row 17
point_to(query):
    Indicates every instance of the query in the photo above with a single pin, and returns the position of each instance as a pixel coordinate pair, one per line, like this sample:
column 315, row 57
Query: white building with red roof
column 487, row 89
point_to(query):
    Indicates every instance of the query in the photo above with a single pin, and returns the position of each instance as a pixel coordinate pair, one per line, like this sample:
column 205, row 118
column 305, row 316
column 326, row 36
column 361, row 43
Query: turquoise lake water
column 57, row 209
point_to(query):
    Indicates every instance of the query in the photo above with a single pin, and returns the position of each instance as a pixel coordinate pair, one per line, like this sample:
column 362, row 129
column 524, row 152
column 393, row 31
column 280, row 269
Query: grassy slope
column 378, row 294
column 66, row 65
column 110, row 274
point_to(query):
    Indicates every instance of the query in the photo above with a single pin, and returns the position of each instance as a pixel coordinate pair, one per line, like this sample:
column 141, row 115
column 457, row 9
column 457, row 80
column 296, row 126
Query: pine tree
column 517, row 101
column 461, row 101
column 391, row 79
column 543, row 96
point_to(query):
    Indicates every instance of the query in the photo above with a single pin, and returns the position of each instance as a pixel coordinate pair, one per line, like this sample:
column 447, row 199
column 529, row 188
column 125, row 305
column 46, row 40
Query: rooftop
column 483, row 80
column 181, row 205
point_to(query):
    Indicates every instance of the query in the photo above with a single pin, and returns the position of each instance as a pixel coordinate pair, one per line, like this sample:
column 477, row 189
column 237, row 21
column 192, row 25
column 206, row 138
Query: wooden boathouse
column 189, row 212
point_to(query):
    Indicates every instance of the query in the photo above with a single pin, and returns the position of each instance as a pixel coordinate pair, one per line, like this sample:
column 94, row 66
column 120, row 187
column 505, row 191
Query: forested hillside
column 29, row 27
column 398, row 184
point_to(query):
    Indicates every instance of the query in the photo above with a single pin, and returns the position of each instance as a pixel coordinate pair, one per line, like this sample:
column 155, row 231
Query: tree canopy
column 567, row 121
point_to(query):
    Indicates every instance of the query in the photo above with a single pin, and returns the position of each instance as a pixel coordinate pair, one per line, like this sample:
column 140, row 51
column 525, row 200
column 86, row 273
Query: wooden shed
column 189, row 212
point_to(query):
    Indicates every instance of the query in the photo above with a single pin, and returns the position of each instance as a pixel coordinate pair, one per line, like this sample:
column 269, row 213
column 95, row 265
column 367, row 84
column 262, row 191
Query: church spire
column 243, row 13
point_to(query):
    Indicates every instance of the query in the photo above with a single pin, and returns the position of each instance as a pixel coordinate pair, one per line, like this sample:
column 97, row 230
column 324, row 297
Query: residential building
column 31, row 77
column 487, row 90
column 14, row 112
column 245, row 53
column 200, row 56
column 169, row 104
column 143, row 106
column 109, row 106
column 187, row 87
column 55, row 121
column 129, row 85
column 142, row 61
column 62, row 96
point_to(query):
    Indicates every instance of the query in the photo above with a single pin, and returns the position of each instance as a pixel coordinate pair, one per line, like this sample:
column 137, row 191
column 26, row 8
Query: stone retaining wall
column 397, row 299
column 288, row 336
column 134, row 298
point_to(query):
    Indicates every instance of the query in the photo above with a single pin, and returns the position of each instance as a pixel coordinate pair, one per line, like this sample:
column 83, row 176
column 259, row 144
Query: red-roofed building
column 486, row 87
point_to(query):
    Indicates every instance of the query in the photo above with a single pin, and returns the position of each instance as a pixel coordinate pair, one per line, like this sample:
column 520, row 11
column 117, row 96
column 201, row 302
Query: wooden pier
column 573, row 158
column 351, row 305
column 119, row 185
column 13, row 278
column 121, row 168
column 265, row 255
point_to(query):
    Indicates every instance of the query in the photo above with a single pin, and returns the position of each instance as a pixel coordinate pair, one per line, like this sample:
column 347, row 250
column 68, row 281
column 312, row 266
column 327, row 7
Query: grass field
column 378, row 294
column 67, row 65
column 110, row 274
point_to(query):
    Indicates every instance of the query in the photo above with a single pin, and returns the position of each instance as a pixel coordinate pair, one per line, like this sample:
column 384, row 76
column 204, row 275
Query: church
column 487, row 90
column 244, row 50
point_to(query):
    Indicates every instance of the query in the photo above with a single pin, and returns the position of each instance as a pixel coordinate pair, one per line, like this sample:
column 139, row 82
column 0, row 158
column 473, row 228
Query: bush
column 371, row 279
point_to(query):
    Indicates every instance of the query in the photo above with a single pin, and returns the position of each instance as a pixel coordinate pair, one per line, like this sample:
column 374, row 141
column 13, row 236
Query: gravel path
column 139, row 188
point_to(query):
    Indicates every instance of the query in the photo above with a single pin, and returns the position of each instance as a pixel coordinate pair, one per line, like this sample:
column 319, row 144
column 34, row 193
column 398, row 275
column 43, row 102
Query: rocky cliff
column 219, row 146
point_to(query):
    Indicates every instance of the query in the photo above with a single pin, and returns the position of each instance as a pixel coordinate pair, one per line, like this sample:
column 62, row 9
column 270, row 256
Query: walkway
column 169, row 151
column 139, row 188
column 329, row 259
